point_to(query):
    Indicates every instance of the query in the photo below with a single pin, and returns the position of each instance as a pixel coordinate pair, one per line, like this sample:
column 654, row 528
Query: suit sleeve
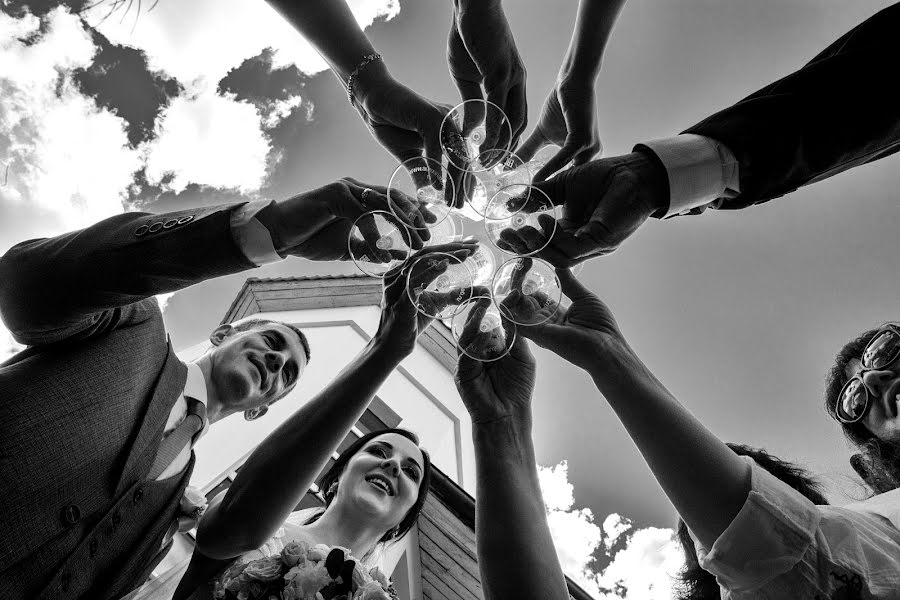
column 842, row 109
column 84, row 282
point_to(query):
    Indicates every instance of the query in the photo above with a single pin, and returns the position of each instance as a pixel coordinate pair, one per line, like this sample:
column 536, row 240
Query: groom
column 98, row 415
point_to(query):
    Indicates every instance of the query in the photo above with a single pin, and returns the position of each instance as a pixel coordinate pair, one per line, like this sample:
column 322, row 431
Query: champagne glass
column 464, row 135
column 506, row 174
column 526, row 290
column 480, row 331
column 378, row 242
column 517, row 208
column 422, row 185
column 443, row 296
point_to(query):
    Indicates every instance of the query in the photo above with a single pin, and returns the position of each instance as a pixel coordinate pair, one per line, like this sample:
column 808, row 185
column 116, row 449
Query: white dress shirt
column 702, row 172
column 781, row 545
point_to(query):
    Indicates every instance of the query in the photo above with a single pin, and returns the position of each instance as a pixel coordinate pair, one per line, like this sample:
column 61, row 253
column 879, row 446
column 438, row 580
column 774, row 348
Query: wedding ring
column 365, row 194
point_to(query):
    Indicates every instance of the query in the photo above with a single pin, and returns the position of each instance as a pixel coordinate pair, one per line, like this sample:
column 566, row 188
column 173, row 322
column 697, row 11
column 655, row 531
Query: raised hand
column 569, row 120
column 604, row 202
column 501, row 389
column 400, row 322
column 482, row 53
column 316, row 224
column 580, row 331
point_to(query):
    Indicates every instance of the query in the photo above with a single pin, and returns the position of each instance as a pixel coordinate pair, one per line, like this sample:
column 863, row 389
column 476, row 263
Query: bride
column 373, row 492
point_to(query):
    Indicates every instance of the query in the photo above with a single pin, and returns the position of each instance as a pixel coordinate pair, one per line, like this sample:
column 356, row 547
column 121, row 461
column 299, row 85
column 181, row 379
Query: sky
column 738, row 313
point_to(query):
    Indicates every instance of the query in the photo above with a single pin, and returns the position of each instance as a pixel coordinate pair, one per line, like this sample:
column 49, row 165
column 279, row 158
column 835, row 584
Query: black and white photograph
column 449, row 300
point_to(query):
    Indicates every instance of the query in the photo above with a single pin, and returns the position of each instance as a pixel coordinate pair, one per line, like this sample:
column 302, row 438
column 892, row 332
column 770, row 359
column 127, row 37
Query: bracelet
column 365, row 60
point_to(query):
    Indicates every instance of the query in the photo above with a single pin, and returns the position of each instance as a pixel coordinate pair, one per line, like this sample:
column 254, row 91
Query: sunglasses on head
column 880, row 352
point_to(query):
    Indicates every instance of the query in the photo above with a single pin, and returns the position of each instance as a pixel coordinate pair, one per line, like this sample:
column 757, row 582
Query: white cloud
column 65, row 155
column 209, row 140
column 647, row 559
column 206, row 38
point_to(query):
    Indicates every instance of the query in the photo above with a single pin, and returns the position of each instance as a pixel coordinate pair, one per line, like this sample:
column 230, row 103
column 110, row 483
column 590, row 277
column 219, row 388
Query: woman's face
column 383, row 479
column 882, row 418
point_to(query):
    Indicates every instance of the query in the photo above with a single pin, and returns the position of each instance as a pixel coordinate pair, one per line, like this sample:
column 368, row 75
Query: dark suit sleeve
column 842, row 109
column 88, row 281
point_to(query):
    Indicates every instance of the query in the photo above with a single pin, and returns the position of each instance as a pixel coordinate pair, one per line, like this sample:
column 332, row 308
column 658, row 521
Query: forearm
column 331, row 28
column 593, row 26
column 515, row 551
column 705, row 481
column 281, row 469
column 53, row 287
column 836, row 112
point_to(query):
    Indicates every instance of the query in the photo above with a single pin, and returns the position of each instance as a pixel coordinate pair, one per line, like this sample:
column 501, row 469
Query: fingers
column 531, row 145
column 557, row 161
column 588, row 153
column 472, row 328
column 517, row 111
column 370, row 234
column 496, row 136
column 523, row 265
column 571, row 287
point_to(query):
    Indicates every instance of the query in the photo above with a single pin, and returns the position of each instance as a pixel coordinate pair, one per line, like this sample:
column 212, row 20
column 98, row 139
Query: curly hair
column 877, row 462
column 695, row 583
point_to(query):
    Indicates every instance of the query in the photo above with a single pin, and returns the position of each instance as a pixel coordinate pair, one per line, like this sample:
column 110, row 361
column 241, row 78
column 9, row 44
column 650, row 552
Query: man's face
column 882, row 418
column 251, row 369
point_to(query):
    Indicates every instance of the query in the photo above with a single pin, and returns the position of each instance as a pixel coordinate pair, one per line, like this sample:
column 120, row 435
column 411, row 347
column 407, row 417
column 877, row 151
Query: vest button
column 138, row 496
column 116, row 519
column 71, row 514
column 92, row 548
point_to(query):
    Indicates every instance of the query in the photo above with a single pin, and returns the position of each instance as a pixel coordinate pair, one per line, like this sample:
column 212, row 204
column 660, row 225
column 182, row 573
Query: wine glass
column 422, row 183
column 526, row 290
column 378, row 242
column 517, row 208
column 481, row 332
column 440, row 296
column 507, row 174
column 464, row 135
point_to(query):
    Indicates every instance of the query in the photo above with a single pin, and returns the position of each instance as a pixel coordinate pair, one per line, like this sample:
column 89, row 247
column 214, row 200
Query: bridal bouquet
column 304, row 572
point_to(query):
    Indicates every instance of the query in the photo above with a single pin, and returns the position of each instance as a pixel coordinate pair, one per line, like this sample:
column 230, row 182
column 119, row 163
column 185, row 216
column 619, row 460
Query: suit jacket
column 83, row 408
column 842, row 109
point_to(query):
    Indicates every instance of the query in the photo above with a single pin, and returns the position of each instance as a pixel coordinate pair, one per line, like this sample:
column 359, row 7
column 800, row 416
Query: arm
column 838, row 111
column 514, row 546
column 89, row 280
column 703, row 478
column 281, row 469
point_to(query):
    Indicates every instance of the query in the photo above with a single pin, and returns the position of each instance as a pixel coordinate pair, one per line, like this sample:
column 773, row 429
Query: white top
column 781, row 545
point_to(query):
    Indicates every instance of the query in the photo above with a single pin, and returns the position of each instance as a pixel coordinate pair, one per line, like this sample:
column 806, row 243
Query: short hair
column 334, row 473
column 260, row 323
column 878, row 462
column 694, row 582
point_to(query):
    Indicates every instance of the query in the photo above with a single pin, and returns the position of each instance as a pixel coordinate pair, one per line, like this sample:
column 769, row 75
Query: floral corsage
column 304, row 572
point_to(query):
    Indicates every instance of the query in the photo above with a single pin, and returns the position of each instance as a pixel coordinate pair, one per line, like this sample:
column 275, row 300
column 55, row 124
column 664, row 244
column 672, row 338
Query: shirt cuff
column 702, row 172
column 251, row 236
column 768, row 537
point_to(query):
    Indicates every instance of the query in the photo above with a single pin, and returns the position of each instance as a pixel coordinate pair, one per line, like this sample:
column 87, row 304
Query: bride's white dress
column 164, row 586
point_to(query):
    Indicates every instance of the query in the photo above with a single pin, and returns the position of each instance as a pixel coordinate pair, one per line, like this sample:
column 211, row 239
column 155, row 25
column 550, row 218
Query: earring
column 393, row 533
column 332, row 489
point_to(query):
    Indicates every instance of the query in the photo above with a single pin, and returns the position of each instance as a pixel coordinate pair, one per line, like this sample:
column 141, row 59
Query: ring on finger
column 364, row 196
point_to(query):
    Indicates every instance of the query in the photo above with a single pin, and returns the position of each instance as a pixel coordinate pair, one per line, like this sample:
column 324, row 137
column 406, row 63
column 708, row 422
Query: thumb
column 571, row 287
column 531, row 145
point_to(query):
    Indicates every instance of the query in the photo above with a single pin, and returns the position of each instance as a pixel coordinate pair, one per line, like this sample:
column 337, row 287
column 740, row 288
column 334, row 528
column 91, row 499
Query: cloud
column 203, row 39
column 643, row 561
column 66, row 156
column 209, row 140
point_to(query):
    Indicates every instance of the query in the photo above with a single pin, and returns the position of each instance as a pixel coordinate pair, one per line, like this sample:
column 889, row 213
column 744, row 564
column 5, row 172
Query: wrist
column 505, row 437
column 374, row 74
column 654, row 179
column 270, row 218
column 577, row 72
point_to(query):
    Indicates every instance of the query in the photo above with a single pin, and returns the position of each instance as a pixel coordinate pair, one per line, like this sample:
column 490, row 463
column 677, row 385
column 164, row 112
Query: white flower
column 193, row 503
column 371, row 591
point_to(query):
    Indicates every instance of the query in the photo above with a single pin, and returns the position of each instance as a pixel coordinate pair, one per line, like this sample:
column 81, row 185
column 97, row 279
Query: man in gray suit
column 97, row 414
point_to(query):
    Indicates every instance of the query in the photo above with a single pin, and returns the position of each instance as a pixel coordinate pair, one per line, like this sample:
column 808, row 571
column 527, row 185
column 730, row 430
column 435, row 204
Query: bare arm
column 593, row 26
column 703, row 478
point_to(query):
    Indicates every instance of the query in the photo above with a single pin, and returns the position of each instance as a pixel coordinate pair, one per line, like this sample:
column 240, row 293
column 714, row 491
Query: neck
column 214, row 410
column 347, row 528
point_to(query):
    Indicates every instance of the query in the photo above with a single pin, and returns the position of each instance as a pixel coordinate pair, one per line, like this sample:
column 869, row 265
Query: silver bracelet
column 365, row 60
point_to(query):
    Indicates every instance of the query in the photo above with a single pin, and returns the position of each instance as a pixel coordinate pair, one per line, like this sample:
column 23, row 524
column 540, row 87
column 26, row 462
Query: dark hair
column 878, row 462
column 261, row 323
column 337, row 469
column 695, row 583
